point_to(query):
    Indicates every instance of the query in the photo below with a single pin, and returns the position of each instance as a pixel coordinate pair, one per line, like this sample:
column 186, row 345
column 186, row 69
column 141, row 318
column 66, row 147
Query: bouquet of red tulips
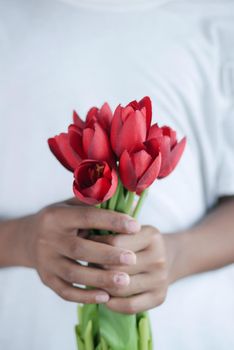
column 115, row 158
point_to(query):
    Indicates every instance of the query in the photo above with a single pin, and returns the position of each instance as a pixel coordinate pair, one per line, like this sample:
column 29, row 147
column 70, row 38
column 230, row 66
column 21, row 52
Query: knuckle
column 46, row 279
column 152, row 229
column 76, row 249
column 161, row 263
column 48, row 216
column 155, row 240
column 85, row 216
column 116, row 241
column 161, row 298
column 70, row 275
column 164, row 278
column 148, row 227
column 64, row 293
column 131, row 307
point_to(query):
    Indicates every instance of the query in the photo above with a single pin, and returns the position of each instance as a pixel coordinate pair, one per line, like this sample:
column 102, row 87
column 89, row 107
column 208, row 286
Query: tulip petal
column 105, row 116
column 87, row 139
column 116, row 126
column 154, row 132
column 133, row 133
column 145, row 102
column 78, row 121
column 167, row 131
column 153, row 146
column 62, row 150
column 127, row 172
column 126, row 111
column 141, row 161
column 98, row 189
column 75, row 139
column 173, row 159
column 150, row 175
column 100, row 147
column 91, row 115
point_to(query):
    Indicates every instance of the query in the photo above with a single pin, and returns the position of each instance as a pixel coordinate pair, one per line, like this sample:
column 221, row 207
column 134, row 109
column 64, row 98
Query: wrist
column 178, row 257
column 16, row 243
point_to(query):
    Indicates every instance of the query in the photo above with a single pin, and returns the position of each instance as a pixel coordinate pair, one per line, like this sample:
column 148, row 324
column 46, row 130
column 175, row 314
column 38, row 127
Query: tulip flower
column 61, row 148
column 88, row 143
column 95, row 182
column 130, row 125
column 164, row 139
column 139, row 169
column 102, row 115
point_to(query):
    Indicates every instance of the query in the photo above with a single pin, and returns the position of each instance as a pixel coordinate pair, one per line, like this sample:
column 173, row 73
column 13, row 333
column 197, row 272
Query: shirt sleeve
column 225, row 171
column 225, row 183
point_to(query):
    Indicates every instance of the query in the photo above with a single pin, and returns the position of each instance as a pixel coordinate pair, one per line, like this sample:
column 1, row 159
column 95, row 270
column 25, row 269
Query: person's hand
column 149, row 278
column 54, row 245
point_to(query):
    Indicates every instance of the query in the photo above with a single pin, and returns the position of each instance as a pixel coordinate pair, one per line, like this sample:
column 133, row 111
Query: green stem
column 139, row 204
column 120, row 203
column 112, row 202
column 103, row 205
column 129, row 202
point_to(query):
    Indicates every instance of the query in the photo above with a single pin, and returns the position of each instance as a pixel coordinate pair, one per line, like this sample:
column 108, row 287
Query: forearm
column 208, row 245
column 14, row 242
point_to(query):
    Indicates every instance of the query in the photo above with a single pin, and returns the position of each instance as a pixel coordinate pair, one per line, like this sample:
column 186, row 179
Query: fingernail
column 133, row 226
column 102, row 298
column 122, row 279
column 128, row 258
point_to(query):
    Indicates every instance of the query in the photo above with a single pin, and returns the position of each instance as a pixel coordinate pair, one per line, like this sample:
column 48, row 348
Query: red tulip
column 95, row 182
column 140, row 168
column 171, row 150
column 101, row 115
column 61, row 148
column 91, row 143
column 78, row 144
column 85, row 139
column 130, row 125
column 78, row 121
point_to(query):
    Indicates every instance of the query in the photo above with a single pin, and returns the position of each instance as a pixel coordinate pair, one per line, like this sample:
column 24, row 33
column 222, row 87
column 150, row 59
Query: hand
column 54, row 247
column 146, row 283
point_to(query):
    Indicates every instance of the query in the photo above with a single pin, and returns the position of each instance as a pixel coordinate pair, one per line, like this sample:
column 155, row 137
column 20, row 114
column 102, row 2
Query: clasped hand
column 129, row 271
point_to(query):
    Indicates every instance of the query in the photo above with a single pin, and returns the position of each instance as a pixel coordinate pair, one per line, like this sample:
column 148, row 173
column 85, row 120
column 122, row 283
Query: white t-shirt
column 56, row 56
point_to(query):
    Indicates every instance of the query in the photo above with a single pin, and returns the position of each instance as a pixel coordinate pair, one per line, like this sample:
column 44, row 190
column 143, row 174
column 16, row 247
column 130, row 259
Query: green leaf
column 103, row 344
column 80, row 313
column 118, row 330
column 88, row 337
column 89, row 312
column 79, row 341
column 144, row 334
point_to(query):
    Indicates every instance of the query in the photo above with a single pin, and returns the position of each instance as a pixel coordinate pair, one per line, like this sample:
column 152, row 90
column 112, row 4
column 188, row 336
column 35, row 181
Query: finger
column 143, row 282
column 77, row 248
column 74, row 201
column 135, row 242
column 75, row 217
column 141, row 266
column 134, row 304
column 73, row 272
column 78, row 295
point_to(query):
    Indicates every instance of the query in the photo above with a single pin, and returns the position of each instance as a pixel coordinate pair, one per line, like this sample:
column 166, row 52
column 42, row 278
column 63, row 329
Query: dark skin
column 130, row 271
